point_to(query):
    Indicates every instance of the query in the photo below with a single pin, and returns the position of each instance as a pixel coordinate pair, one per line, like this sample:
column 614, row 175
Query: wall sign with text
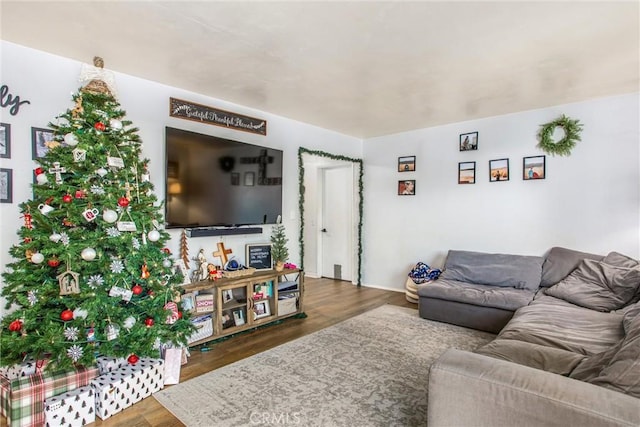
column 214, row 116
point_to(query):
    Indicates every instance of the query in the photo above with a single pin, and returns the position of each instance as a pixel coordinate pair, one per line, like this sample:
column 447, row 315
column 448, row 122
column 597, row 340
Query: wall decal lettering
column 9, row 100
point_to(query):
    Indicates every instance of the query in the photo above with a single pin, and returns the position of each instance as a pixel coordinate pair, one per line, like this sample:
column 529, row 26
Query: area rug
column 370, row 370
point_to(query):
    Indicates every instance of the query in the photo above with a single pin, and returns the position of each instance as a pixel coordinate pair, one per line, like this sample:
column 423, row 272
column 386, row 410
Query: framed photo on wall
column 467, row 173
column 6, row 185
column 407, row 164
column 407, row 187
column 249, row 179
column 5, row 140
column 469, row 141
column 498, row 170
column 40, row 139
column 235, row 178
column 533, row 167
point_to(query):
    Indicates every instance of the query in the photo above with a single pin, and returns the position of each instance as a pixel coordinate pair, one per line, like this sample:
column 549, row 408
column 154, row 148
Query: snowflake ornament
column 135, row 243
column 71, row 333
column 75, row 352
column 32, row 297
column 97, row 190
column 113, row 232
column 117, row 266
column 95, row 281
column 64, row 238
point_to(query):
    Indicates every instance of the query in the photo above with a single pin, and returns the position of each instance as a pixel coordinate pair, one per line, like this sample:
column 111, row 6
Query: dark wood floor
column 326, row 301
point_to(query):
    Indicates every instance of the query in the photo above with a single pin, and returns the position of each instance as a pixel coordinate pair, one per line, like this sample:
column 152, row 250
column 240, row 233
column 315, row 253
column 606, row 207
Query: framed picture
column 261, row 309
column 249, row 179
column 467, row 173
column 235, row 178
column 498, row 170
column 188, row 302
column 40, row 140
column 258, row 256
column 5, row 140
column 407, row 187
column 533, row 167
column 469, row 141
column 238, row 317
column 6, row 185
column 180, row 267
column 227, row 296
column 407, row 164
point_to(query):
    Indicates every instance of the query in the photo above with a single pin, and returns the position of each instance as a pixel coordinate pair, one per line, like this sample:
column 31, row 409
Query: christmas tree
column 91, row 276
column 279, row 251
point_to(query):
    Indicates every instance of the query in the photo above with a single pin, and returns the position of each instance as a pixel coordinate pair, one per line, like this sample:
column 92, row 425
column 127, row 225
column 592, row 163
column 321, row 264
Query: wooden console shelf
column 231, row 305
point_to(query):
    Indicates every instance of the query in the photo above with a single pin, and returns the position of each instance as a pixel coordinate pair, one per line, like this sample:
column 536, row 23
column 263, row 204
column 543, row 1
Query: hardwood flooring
column 326, row 302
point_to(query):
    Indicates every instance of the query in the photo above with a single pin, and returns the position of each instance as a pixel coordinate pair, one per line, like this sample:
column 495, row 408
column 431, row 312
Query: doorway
column 330, row 204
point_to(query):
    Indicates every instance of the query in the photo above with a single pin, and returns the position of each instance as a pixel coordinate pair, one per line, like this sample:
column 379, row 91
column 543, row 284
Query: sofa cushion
column 572, row 328
column 514, row 271
column 623, row 371
column 620, row 260
column 560, row 262
column 480, row 295
column 598, row 286
column 537, row 356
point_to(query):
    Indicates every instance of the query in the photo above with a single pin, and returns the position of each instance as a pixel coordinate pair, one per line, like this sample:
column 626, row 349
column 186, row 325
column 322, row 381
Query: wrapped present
column 22, row 399
column 126, row 386
column 71, row 409
column 108, row 364
column 24, row 369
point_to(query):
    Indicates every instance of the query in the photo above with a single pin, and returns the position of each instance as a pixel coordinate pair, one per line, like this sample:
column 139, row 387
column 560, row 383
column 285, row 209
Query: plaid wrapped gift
column 22, row 399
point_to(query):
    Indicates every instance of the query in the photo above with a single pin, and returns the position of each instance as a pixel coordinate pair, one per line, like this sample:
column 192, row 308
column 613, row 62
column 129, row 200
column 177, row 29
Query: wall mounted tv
column 216, row 182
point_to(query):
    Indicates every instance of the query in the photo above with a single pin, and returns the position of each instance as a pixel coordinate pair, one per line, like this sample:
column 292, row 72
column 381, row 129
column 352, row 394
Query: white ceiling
column 360, row 68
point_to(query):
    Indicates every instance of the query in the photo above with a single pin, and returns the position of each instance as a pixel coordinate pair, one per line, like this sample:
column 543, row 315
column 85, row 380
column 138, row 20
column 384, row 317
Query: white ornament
column 110, row 216
column 55, row 237
column 154, row 235
column 71, row 139
column 102, row 172
column 42, row 179
column 75, row 352
column 115, row 124
column 88, row 254
column 37, row 258
column 167, row 263
column 129, row 322
column 80, row 313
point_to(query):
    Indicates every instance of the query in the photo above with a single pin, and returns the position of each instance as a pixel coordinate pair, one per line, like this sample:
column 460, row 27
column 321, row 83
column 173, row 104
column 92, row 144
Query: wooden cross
column 222, row 253
column 58, row 171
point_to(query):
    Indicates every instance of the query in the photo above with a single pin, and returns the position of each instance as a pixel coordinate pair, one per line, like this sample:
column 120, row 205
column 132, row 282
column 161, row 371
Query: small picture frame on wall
column 235, row 178
column 469, row 141
column 498, row 170
column 249, row 179
column 533, row 167
column 6, row 185
column 407, row 187
column 467, row 173
column 5, row 140
column 40, row 141
column 407, row 164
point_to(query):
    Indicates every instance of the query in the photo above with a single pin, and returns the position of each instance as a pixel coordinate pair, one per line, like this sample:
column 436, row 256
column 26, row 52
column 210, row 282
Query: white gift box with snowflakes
column 123, row 387
column 74, row 408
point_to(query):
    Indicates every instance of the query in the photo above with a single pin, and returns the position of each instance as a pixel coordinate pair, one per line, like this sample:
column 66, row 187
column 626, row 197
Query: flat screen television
column 216, row 182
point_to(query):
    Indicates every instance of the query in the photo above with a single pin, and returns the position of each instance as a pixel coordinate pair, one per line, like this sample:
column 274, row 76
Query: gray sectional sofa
column 568, row 347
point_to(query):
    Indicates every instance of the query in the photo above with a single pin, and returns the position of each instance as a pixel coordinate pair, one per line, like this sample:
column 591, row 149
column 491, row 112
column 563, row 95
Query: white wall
column 48, row 82
column 589, row 201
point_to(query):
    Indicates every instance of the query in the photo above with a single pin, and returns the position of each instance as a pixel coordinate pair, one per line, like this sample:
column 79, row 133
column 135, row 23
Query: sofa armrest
column 469, row 389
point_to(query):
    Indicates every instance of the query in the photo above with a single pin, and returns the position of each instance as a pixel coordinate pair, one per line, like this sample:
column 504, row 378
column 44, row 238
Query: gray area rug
column 370, row 370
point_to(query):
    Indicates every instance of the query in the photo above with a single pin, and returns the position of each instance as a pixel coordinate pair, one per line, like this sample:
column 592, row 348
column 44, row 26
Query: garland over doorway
column 301, row 192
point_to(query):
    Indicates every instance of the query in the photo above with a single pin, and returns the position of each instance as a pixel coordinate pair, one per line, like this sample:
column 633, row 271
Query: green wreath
column 563, row 147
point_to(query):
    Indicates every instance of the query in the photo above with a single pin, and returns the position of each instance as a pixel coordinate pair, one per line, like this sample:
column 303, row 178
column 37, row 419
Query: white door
column 336, row 231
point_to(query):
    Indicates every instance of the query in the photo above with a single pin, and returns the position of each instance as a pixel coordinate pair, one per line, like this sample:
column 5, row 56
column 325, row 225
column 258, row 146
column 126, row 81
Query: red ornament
column 166, row 251
column 80, row 194
column 179, row 315
column 66, row 315
column 123, row 202
column 150, row 293
column 28, row 239
column 27, row 220
column 39, row 171
column 137, row 290
column 67, row 223
column 133, row 359
column 67, row 198
column 15, row 326
column 100, row 126
column 53, row 262
column 149, row 322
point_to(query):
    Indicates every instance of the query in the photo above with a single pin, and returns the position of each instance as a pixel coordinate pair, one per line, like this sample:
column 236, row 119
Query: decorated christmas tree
column 92, row 276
